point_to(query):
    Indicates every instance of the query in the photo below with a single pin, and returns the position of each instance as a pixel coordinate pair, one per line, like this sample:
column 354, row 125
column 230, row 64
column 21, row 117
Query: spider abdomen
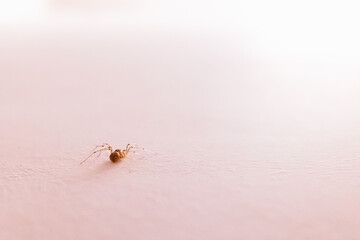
column 115, row 156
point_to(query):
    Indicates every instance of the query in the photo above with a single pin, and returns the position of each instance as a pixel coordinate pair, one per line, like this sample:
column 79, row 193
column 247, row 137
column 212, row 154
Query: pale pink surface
column 237, row 146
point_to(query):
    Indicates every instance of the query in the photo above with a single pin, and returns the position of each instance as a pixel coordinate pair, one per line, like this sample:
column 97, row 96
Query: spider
column 115, row 155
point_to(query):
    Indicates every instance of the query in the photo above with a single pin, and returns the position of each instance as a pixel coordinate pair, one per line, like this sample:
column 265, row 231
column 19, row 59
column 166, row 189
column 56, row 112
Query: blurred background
column 248, row 112
column 288, row 59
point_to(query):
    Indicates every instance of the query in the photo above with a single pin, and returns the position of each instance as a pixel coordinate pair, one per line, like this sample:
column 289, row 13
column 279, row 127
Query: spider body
column 115, row 155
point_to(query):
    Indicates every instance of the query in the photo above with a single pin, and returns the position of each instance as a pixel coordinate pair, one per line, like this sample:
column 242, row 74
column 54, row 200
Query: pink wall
column 241, row 141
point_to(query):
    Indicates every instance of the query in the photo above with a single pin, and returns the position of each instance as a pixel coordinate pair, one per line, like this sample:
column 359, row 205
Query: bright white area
column 306, row 54
column 21, row 10
column 300, row 28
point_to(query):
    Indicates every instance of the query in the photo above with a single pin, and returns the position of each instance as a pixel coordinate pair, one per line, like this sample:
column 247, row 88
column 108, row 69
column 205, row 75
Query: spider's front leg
column 103, row 149
column 100, row 146
column 127, row 146
column 127, row 149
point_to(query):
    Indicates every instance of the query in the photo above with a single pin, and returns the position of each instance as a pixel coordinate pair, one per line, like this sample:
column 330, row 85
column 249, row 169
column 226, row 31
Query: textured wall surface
column 237, row 145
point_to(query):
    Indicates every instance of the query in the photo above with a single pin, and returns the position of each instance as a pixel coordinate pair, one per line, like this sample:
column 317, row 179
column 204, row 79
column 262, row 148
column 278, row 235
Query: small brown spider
column 115, row 155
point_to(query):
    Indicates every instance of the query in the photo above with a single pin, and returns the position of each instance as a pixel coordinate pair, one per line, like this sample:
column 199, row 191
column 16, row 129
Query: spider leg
column 136, row 146
column 103, row 149
column 92, row 151
column 127, row 146
column 126, row 151
column 99, row 154
column 123, row 154
column 103, row 145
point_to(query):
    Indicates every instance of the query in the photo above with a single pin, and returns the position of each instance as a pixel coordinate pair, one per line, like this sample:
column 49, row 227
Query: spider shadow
column 106, row 166
column 101, row 169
